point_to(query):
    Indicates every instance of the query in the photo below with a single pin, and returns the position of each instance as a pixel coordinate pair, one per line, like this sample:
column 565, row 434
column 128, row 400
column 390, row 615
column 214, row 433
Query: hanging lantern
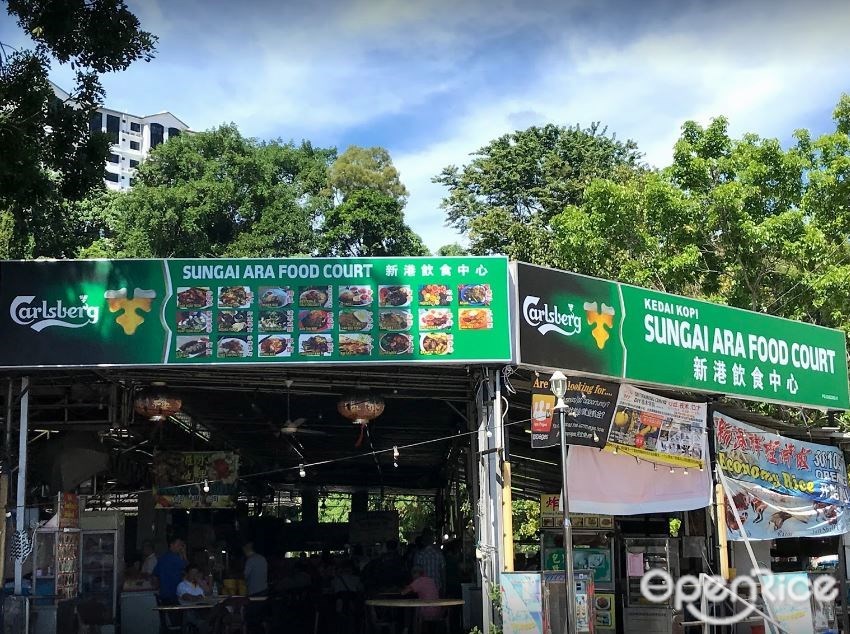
column 361, row 408
column 157, row 406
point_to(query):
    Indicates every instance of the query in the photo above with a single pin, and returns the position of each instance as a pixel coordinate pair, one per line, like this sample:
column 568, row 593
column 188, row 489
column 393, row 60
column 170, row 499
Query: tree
column 360, row 168
column 368, row 223
column 218, row 194
column 48, row 157
column 453, row 249
column 506, row 197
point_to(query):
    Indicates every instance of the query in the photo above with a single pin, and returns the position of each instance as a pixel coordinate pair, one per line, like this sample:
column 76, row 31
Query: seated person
column 424, row 588
column 193, row 589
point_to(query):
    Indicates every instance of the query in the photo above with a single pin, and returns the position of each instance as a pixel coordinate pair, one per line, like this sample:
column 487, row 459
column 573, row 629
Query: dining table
column 414, row 603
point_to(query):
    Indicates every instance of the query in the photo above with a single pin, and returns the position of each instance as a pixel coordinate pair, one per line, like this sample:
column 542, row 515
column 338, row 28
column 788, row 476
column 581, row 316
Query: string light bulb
column 616, row 451
column 489, row 433
column 206, row 486
column 595, row 437
column 301, row 471
column 685, row 471
column 395, row 452
column 672, row 470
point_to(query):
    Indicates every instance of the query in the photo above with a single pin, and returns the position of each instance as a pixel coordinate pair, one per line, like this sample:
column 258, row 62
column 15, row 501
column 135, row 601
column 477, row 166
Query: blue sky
column 434, row 80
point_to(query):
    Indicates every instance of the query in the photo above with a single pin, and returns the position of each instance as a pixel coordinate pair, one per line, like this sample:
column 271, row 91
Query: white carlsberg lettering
column 25, row 311
column 552, row 319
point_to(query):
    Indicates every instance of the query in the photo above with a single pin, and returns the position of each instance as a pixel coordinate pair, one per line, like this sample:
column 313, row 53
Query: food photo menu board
column 397, row 310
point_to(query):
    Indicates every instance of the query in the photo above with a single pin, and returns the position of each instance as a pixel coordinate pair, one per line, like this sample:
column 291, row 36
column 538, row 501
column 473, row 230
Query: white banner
column 608, row 484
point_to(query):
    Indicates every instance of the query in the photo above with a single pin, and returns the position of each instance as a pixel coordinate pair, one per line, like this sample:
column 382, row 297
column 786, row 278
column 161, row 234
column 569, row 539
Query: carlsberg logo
column 38, row 315
column 553, row 319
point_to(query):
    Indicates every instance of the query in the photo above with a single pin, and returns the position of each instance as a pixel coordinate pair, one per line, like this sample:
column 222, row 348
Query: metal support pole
column 569, row 575
column 22, row 476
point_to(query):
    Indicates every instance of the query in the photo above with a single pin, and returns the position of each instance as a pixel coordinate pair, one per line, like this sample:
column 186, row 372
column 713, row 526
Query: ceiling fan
column 291, row 427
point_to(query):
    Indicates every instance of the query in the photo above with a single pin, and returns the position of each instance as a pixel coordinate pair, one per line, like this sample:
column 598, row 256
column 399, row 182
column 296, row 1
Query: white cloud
column 766, row 72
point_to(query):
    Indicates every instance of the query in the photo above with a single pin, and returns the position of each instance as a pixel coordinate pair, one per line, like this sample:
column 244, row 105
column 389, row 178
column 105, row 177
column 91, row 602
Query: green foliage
column 526, row 520
column 506, row 198
column 368, row 223
column 453, row 249
column 48, row 158
column 335, row 507
column 218, row 194
column 360, row 168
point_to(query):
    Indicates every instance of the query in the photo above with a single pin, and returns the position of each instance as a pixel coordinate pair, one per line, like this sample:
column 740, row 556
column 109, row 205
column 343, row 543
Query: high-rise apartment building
column 132, row 138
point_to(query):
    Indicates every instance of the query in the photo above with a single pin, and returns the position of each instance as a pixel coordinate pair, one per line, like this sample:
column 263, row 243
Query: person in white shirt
column 149, row 561
column 193, row 589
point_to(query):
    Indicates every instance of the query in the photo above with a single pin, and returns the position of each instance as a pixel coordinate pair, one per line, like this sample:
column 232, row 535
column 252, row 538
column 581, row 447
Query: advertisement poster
column 792, row 467
column 605, row 329
column 84, row 313
column 590, row 407
column 660, row 430
column 597, row 560
column 179, row 479
column 605, row 612
column 794, row 616
column 522, row 603
column 766, row 514
column 68, row 510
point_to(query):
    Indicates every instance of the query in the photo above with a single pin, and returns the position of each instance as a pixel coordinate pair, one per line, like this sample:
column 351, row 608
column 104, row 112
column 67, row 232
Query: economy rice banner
column 781, row 487
column 766, row 514
column 658, row 429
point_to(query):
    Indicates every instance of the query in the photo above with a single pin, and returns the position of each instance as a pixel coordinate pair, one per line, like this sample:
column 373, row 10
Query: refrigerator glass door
column 98, row 569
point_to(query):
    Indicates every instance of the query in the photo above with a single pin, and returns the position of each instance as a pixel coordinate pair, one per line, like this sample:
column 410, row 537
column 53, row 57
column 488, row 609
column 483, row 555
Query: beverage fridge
column 102, row 561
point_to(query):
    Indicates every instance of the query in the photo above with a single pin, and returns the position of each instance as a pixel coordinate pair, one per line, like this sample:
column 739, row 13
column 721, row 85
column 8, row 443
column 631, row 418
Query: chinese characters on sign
column 603, row 328
column 781, row 487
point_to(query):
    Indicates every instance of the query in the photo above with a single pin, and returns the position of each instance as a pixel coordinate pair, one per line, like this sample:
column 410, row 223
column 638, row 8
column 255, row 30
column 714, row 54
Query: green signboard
column 186, row 312
column 602, row 328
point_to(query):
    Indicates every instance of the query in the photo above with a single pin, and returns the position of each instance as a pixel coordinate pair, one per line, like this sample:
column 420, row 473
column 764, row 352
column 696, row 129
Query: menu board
column 364, row 312
column 67, row 564
column 180, row 479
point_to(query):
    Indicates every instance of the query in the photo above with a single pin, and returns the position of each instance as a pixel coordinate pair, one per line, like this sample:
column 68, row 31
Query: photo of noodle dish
column 276, row 320
column 230, row 347
column 355, row 320
column 194, row 297
column 436, row 343
column 235, row 321
column 275, row 296
column 355, row 295
column 315, row 320
column 475, row 318
column 314, row 296
column 235, row 297
column 435, row 318
column 193, row 347
column 315, row 345
column 194, row 321
column 275, row 345
column 355, row 345
column 395, row 320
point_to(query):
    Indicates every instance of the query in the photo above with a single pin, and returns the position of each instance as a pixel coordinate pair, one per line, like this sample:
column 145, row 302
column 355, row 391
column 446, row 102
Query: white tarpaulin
column 609, row 484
